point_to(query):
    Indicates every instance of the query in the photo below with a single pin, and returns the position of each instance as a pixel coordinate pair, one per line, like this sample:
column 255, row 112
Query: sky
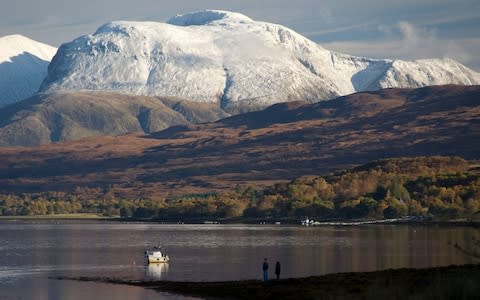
column 406, row 29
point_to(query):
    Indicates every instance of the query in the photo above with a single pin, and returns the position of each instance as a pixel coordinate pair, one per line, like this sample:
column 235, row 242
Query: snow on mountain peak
column 16, row 44
column 206, row 17
column 228, row 58
column 23, row 66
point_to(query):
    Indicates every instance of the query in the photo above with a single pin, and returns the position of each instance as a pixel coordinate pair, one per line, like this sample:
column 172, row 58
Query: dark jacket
column 277, row 268
column 265, row 266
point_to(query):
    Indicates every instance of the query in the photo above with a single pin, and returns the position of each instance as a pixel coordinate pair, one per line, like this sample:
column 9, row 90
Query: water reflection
column 156, row 271
column 30, row 253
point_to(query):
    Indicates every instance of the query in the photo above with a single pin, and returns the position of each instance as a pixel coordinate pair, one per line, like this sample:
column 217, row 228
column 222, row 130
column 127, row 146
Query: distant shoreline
column 247, row 221
column 458, row 282
column 79, row 216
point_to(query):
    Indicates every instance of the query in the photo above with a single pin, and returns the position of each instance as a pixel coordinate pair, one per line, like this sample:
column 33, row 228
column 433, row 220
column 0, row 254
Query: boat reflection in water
column 156, row 271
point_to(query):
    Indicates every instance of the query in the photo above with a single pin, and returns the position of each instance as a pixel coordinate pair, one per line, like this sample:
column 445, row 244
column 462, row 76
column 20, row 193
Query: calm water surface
column 31, row 252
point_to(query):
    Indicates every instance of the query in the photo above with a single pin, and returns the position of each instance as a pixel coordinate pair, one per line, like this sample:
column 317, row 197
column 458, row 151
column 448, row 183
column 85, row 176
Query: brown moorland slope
column 279, row 143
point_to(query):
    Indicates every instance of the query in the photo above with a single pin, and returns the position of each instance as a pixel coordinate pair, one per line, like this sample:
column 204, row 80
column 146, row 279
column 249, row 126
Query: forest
column 438, row 188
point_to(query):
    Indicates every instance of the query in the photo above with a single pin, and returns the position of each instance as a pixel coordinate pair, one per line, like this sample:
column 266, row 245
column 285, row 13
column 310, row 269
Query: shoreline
column 323, row 223
column 459, row 282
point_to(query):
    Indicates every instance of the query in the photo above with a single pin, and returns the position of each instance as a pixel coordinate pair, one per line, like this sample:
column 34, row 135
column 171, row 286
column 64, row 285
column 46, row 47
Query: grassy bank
column 452, row 282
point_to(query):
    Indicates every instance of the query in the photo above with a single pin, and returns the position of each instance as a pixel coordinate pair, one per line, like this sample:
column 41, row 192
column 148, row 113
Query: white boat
column 155, row 255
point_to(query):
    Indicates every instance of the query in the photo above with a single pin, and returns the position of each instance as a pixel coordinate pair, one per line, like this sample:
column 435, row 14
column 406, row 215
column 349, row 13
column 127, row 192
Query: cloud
column 413, row 42
column 337, row 29
column 409, row 32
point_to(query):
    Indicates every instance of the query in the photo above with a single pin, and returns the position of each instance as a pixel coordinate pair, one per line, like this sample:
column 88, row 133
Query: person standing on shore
column 265, row 270
column 277, row 270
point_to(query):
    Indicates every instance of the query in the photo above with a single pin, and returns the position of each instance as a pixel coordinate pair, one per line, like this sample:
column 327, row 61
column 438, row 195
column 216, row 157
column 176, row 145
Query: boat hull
column 156, row 256
column 155, row 259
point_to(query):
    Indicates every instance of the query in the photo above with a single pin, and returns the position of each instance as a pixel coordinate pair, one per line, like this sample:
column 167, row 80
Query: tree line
column 437, row 187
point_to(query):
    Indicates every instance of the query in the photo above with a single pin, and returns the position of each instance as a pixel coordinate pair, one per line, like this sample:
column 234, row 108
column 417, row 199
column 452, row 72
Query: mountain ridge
column 249, row 64
column 23, row 66
column 64, row 116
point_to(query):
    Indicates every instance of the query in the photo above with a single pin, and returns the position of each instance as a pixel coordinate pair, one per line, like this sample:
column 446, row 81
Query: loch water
column 32, row 253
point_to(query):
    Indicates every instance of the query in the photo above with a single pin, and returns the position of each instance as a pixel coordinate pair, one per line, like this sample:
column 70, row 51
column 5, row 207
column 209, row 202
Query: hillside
column 228, row 59
column 282, row 142
column 46, row 118
column 422, row 188
column 23, row 66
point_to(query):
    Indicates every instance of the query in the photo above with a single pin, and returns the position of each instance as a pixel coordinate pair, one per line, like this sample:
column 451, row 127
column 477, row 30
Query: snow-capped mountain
column 23, row 66
column 226, row 57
